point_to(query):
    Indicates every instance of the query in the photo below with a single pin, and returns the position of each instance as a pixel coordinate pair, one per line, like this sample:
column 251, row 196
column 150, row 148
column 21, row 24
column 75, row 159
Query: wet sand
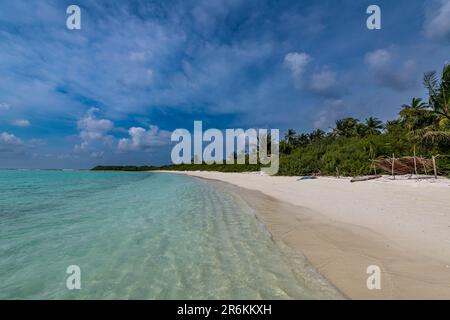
column 414, row 265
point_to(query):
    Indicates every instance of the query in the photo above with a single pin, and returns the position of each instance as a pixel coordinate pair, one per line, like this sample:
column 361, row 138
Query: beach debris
column 307, row 178
column 364, row 178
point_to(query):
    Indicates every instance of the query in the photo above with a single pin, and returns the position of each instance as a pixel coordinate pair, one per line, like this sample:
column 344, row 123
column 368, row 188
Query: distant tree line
column 186, row 167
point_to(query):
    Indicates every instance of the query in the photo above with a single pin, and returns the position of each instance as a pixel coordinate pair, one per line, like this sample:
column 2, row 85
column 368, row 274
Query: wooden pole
column 434, row 167
column 415, row 163
column 424, row 166
column 393, row 164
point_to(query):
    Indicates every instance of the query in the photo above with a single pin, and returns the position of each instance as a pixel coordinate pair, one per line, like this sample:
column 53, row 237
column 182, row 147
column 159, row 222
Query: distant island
column 185, row 167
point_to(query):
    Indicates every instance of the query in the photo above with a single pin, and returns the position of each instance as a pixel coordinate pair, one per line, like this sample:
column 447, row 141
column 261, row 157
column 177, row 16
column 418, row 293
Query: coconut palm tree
column 415, row 114
column 438, row 130
column 346, row 127
column 290, row 136
column 374, row 125
column 439, row 92
column 316, row 135
column 393, row 126
column 302, row 140
column 362, row 130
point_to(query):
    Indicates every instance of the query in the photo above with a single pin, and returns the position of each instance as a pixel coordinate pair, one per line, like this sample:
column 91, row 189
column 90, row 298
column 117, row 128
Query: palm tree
column 439, row 102
column 393, row 126
column 437, row 129
column 346, row 127
column 414, row 114
column 290, row 136
column 374, row 125
column 316, row 135
column 362, row 130
column 302, row 139
column 439, row 93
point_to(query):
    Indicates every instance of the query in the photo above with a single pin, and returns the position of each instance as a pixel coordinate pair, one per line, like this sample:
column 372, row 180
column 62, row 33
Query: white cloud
column 378, row 58
column 9, row 142
column 96, row 142
column 9, row 138
column 323, row 81
column 23, row 123
column 97, row 154
column 142, row 139
column 437, row 24
column 389, row 72
column 296, row 62
column 93, row 129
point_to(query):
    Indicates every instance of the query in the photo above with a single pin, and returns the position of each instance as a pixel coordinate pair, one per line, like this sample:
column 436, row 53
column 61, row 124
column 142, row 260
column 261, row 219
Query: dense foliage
column 351, row 146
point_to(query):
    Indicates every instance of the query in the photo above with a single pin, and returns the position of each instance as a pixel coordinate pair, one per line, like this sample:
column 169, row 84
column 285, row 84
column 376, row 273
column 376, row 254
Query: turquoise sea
column 134, row 236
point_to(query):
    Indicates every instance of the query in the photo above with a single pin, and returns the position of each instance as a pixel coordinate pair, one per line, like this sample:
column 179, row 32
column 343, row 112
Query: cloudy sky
column 112, row 92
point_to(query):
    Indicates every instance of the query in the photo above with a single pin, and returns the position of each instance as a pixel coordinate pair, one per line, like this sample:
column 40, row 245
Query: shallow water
column 134, row 236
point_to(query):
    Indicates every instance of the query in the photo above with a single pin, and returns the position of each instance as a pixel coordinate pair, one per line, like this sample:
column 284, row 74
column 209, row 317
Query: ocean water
column 134, row 236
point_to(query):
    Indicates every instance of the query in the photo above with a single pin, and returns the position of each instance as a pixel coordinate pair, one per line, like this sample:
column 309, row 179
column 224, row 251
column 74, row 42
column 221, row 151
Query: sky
column 114, row 91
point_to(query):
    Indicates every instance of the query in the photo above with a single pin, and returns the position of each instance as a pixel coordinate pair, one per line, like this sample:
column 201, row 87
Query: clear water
column 134, row 236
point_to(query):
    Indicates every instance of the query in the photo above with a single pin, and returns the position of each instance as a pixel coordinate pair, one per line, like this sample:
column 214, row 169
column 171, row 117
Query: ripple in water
column 134, row 236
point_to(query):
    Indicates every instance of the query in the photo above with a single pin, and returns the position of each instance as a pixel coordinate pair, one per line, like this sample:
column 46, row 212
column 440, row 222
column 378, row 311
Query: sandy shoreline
column 341, row 227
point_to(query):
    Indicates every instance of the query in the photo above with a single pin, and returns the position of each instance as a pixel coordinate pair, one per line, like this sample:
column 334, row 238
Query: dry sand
column 401, row 226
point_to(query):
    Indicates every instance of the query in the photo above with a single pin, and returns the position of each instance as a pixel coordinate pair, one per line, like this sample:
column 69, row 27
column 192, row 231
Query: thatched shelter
column 406, row 165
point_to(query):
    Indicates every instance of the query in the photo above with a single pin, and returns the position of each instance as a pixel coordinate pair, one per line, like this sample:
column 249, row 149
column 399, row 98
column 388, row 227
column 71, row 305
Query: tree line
column 351, row 145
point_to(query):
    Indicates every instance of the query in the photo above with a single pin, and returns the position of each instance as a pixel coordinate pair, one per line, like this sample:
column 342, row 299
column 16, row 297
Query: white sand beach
column 402, row 226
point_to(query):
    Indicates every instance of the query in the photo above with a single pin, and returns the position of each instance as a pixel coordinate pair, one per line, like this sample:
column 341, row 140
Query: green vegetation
column 349, row 148
column 352, row 145
column 186, row 167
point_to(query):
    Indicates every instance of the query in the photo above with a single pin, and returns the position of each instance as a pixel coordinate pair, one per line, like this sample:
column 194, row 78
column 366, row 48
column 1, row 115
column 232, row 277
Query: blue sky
column 112, row 92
